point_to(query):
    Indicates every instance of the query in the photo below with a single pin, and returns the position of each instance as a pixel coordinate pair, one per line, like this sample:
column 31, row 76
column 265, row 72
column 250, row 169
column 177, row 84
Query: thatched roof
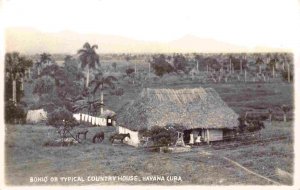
column 192, row 108
column 107, row 113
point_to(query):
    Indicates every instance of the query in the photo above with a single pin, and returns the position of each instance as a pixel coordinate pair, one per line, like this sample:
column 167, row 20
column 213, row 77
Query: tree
column 15, row 66
column 270, row 111
column 89, row 58
column 114, row 65
column 14, row 113
column 44, row 85
column 127, row 58
column 180, row 63
column 68, row 58
column 102, row 82
column 289, row 75
column 44, row 58
column 272, row 64
column 160, row 65
column 285, row 109
column 259, row 62
column 211, row 62
column 118, row 92
column 198, row 58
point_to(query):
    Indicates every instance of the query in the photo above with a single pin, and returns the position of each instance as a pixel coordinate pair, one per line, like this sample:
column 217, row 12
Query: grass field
column 27, row 157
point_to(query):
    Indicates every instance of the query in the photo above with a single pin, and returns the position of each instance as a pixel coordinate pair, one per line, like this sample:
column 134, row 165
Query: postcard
column 167, row 93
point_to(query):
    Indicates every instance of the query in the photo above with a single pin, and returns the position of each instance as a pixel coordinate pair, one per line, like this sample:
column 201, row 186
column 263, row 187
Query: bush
column 160, row 65
column 284, row 75
column 44, row 85
column 60, row 117
column 161, row 136
column 14, row 113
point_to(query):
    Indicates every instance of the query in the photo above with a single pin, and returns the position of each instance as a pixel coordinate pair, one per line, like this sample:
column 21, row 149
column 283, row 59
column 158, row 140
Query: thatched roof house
column 192, row 108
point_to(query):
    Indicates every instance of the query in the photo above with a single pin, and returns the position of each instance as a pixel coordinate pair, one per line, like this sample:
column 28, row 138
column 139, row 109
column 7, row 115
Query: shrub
column 162, row 136
column 61, row 116
column 160, row 65
column 129, row 71
column 14, row 113
column 44, row 85
column 284, row 75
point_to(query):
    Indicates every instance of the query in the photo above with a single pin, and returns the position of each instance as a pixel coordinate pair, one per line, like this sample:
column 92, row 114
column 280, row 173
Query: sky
column 248, row 23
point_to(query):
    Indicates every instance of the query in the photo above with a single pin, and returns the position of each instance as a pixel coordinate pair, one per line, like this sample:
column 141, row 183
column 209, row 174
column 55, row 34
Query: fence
column 97, row 121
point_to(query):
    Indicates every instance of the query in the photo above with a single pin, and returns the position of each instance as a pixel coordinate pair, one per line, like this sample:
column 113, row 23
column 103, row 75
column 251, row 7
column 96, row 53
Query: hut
column 204, row 115
column 110, row 117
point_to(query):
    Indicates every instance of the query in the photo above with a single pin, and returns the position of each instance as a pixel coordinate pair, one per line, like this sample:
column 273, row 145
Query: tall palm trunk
column 273, row 71
column 284, row 116
column 22, row 83
column 101, row 101
column 29, row 73
column 259, row 66
column 38, row 71
column 222, row 67
column 197, row 66
column 87, row 76
column 14, row 91
column 289, row 74
column 241, row 67
column 230, row 66
column 245, row 75
column 149, row 70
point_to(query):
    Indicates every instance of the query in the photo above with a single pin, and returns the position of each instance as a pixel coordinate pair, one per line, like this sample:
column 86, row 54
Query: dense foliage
column 14, row 113
column 160, row 65
column 60, row 117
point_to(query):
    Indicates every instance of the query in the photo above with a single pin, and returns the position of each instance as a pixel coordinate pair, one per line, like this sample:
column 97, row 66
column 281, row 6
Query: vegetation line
column 252, row 172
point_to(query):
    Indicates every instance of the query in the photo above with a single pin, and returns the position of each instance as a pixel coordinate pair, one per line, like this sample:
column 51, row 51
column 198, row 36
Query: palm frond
column 82, row 51
column 86, row 45
column 95, row 46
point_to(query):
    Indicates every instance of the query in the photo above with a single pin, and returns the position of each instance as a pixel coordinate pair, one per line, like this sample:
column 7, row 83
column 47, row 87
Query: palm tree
column 241, row 64
column 15, row 66
column 114, row 65
column 89, row 58
column 127, row 58
column 285, row 109
column 67, row 58
column 197, row 58
column 259, row 62
column 288, row 61
column 27, row 63
column 102, row 82
column 272, row 64
column 270, row 111
column 44, row 58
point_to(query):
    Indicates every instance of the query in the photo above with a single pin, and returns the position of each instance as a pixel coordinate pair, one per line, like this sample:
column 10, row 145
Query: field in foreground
column 27, row 157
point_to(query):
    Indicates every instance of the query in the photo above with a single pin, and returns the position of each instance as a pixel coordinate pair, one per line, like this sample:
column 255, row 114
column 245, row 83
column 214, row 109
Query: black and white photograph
column 139, row 92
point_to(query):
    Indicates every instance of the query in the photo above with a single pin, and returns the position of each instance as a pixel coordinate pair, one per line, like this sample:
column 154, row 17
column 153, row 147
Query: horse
column 82, row 132
column 98, row 137
column 119, row 137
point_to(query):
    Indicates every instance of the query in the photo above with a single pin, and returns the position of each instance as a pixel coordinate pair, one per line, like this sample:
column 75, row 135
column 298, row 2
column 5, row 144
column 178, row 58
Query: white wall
column 134, row 138
column 99, row 121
